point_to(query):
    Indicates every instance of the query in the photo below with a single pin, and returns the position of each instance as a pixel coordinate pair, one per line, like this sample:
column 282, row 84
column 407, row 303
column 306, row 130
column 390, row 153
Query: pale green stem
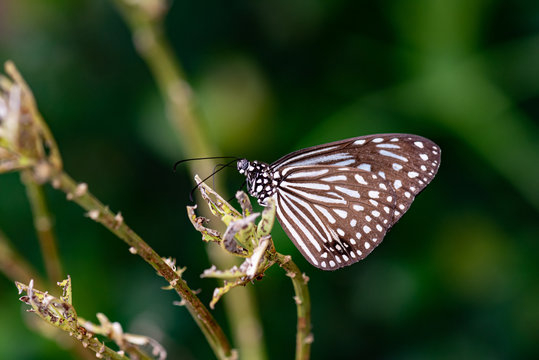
column 43, row 226
column 154, row 48
column 304, row 337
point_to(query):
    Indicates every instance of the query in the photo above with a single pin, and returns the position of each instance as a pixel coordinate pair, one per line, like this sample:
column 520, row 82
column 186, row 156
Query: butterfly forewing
column 337, row 201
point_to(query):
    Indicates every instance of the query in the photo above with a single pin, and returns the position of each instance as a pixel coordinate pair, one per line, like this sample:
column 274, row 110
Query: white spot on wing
column 323, row 159
column 301, row 174
column 366, row 167
column 360, row 179
column 388, row 146
column 343, row 214
column 374, row 194
column 349, row 192
column 334, row 178
column 314, row 185
column 419, row 144
column 345, row 162
column 393, row 155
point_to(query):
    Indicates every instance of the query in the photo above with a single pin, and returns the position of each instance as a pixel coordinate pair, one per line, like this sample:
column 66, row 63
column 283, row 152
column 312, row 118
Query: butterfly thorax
column 260, row 182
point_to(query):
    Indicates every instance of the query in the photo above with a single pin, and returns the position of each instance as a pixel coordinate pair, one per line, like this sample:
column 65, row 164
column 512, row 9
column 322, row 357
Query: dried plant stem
column 147, row 29
column 304, row 337
column 114, row 222
column 43, row 226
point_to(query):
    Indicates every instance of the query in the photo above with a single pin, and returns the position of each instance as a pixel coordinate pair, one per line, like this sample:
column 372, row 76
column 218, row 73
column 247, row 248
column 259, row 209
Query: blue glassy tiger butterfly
column 337, row 201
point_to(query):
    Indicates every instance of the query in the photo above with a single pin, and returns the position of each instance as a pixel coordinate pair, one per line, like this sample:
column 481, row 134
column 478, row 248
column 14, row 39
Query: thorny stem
column 304, row 337
column 43, row 226
column 114, row 222
column 60, row 313
column 15, row 268
column 145, row 22
column 46, row 165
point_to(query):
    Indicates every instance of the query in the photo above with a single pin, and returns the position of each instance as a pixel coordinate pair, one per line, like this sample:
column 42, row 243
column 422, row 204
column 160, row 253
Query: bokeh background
column 457, row 278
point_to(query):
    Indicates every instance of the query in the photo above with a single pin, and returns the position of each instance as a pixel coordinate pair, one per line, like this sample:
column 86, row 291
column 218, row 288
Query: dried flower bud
column 25, row 140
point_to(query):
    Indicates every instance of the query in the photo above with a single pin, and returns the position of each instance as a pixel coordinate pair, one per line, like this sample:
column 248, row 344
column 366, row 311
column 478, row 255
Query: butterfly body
column 337, row 201
column 260, row 179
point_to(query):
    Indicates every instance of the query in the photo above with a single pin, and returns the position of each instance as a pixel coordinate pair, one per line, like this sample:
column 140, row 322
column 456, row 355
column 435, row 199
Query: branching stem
column 114, row 222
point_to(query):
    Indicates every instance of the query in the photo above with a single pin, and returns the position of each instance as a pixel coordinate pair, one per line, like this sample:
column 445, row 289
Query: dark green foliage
column 456, row 278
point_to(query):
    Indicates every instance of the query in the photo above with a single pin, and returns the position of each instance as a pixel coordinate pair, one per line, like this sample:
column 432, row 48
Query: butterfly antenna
column 209, row 176
column 215, row 169
column 204, row 158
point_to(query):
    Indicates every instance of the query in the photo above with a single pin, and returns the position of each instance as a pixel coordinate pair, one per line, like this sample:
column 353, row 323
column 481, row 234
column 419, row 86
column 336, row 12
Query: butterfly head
column 260, row 183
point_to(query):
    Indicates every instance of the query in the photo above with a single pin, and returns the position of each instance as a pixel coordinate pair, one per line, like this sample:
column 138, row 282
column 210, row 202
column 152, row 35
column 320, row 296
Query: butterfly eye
column 243, row 164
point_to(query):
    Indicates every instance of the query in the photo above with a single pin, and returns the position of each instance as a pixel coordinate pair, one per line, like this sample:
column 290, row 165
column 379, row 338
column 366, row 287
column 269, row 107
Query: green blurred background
column 457, row 278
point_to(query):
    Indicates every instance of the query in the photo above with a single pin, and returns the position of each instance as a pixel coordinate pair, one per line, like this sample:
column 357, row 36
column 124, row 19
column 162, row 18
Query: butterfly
column 336, row 201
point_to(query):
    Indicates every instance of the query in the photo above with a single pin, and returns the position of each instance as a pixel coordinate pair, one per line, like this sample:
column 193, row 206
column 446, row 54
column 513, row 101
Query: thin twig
column 43, row 226
column 114, row 222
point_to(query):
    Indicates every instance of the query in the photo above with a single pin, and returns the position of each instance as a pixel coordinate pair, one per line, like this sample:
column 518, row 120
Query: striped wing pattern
column 337, row 201
column 341, row 226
